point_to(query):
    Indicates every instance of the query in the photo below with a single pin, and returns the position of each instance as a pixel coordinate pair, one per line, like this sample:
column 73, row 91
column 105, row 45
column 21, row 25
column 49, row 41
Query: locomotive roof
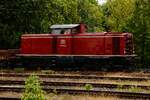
column 64, row 26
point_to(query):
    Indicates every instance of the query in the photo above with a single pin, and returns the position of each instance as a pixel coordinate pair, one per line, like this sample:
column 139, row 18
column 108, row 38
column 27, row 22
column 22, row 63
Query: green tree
column 17, row 17
column 33, row 90
column 140, row 26
column 91, row 14
column 60, row 12
column 117, row 14
column 74, row 11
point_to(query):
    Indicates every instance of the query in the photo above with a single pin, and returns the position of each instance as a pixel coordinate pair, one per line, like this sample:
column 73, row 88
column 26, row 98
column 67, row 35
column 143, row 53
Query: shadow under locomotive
column 57, row 62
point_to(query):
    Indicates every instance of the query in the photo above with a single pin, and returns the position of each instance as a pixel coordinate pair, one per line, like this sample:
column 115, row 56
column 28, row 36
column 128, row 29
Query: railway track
column 74, row 90
column 79, row 84
column 63, row 76
column 76, row 87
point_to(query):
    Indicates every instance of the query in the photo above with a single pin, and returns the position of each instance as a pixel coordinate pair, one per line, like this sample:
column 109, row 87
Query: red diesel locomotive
column 69, row 44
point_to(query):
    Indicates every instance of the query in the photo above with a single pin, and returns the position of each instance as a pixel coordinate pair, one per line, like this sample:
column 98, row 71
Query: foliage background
column 35, row 16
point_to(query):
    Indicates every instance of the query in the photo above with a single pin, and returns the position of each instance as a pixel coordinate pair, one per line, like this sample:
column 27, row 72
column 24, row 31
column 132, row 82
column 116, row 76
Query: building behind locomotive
column 71, row 43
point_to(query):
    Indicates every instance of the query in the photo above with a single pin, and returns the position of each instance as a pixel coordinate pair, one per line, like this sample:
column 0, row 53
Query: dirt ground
column 66, row 96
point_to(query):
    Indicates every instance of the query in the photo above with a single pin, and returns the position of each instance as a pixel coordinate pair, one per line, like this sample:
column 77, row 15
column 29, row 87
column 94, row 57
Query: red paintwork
column 85, row 44
column 82, row 28
column 73, row 44
column 80, row 44
column 36, row 44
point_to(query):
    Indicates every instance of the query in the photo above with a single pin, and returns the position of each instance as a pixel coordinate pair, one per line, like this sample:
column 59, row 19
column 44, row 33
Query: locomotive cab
column 68, row 29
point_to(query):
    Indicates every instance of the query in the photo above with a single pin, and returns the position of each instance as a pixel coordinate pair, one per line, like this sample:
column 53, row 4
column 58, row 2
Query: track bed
column 76, row 84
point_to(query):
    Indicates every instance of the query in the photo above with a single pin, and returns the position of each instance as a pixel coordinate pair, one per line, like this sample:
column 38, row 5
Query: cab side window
column 75, row 31
column 56, row 31
column 65, row 31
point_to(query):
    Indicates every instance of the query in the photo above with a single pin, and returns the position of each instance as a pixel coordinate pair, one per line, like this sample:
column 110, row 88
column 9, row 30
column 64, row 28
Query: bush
column 33, row 90
column 88, row 87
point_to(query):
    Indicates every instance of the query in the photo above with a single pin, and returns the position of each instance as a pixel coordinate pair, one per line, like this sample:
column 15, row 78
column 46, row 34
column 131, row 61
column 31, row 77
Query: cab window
column 74, row 31
column 61, row 31
column 56, row 31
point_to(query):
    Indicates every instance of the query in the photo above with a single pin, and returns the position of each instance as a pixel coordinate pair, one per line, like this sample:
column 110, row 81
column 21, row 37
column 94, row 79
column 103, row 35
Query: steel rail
column 9, row 98
column 56, row 83
column 82, row 91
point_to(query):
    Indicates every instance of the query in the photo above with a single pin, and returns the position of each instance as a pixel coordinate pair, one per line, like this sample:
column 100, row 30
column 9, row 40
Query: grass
column 48, row 72
column 136, row 89
column 19, row 70
column 88, row 87
column 132, row 89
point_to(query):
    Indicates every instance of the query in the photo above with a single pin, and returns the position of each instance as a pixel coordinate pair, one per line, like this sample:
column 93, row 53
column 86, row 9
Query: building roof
column 64, row 26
